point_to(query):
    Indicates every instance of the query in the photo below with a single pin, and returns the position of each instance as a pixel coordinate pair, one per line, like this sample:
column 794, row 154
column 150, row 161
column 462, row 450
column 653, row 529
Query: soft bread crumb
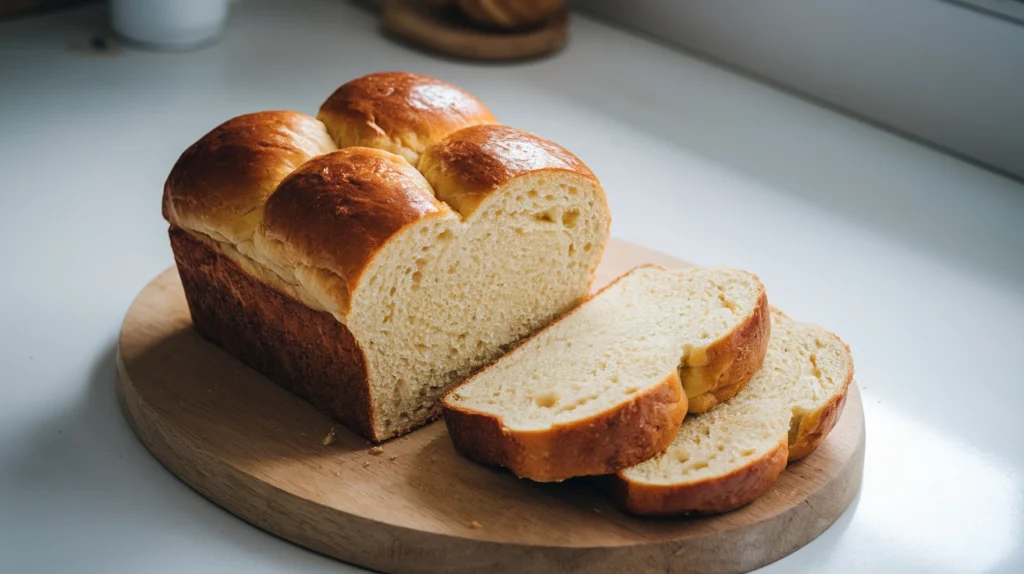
column 618, row 345
column 449, row 295
column 377, row 450
column 475, row 525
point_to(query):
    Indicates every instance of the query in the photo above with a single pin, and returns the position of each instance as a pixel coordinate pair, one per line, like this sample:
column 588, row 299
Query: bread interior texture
column 623, row 342
column 448, row 297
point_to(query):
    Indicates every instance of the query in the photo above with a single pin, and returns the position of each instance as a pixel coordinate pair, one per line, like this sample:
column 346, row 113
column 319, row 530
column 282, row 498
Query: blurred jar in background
column 169, row 24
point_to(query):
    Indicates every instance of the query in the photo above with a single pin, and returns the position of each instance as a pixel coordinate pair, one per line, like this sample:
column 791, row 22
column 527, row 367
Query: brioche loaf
column 600, row 389
column 360, row 283
column 731, row 455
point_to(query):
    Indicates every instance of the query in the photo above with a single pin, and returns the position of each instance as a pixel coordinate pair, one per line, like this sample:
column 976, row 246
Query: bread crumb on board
column 366, row 464
column 475, row 525
column 376, row 450
column 329, row 438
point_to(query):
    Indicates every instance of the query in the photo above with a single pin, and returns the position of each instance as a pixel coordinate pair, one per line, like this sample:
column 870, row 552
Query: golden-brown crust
column 305, row 351
column 337, row 210
column 472, row 162
column 814, row 427
column 601, row 444
column 219, row 184
column 399, row 112
column 721, row 494
column 731, row 361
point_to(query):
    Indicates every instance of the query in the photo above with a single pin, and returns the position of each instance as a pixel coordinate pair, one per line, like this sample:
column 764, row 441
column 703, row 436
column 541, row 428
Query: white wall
column 931, row 69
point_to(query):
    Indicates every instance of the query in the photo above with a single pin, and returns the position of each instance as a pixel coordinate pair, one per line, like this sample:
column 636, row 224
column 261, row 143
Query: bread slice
column 600, row 390
column 731, row 455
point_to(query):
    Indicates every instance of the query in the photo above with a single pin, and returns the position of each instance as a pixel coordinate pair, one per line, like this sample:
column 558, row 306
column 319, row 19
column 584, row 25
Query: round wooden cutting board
column 259, row 452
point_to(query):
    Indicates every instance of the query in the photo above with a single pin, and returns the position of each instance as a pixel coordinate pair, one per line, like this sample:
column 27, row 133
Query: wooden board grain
column 258, row 451
column 443, row 30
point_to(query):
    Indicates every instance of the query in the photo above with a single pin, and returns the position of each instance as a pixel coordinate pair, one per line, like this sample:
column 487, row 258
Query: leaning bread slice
column 731, row 455
column 599, row 390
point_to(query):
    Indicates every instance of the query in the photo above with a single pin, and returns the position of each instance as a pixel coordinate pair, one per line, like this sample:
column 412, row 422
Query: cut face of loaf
column 600, row 390
column 449, row 291
column 361, row 283
column 731, row 455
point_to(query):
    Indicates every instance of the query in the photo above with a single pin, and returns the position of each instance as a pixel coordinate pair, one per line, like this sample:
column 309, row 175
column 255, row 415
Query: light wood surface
column 443, row 30
column 259, row 452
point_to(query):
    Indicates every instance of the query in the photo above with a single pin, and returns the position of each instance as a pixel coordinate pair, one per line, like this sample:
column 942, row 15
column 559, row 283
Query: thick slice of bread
column 731, row 455
column 600, row 389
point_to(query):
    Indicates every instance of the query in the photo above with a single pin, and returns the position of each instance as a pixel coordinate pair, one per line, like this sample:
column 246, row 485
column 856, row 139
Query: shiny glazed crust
column 399, row 112
column 219, row 184
column 471, row 163
column 336, row 211
column 607, row 442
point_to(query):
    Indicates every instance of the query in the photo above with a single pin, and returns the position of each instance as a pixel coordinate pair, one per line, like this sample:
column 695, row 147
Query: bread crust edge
column 720, row 494
column 604, row 443
column 814, row 427
column 733, row 360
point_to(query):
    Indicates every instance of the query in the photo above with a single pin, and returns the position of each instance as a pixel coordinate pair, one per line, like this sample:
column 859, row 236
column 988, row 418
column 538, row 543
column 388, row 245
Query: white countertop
column 914, row 258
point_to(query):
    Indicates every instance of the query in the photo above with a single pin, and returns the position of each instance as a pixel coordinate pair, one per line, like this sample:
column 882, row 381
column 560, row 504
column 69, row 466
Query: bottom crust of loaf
column 303, row 350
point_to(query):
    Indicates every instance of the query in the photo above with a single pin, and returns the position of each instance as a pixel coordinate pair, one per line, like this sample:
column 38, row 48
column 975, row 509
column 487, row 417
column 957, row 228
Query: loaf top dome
column 399, row 112
column 314, row 201
column 219, row 184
